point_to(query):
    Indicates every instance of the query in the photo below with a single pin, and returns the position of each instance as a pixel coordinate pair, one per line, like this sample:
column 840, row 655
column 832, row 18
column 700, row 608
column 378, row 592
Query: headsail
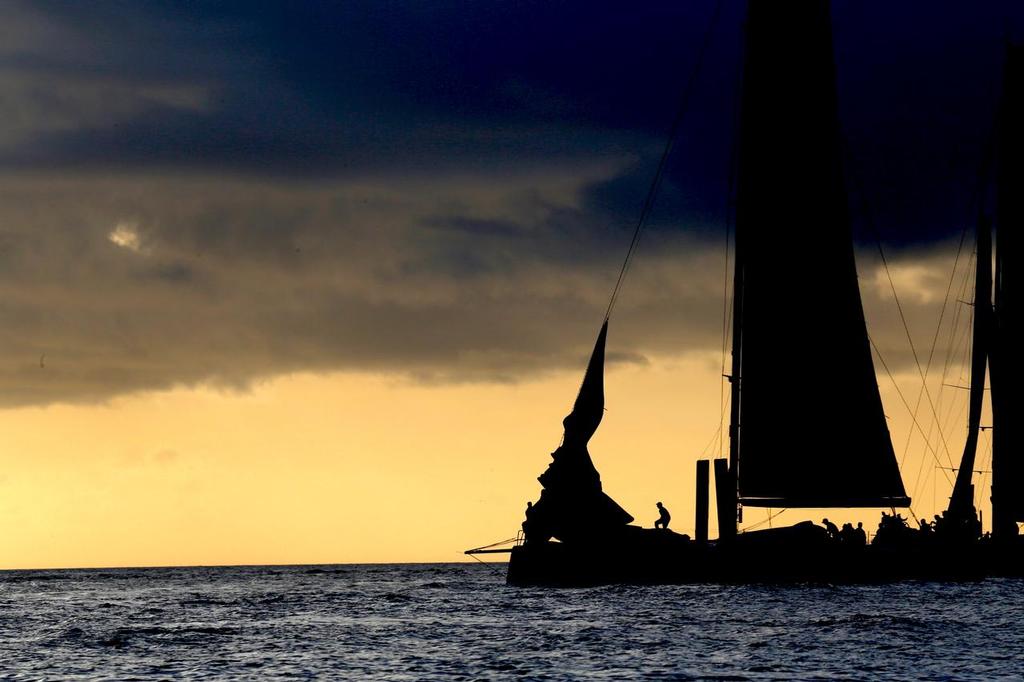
column 809, row 420
column 588, row 410
column 572, row 505
column 1007, row 371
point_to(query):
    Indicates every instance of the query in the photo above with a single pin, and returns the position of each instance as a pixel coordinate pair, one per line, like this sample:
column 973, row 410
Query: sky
column 302, row 283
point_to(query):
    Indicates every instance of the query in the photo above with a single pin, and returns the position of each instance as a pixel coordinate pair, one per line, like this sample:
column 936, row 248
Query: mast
column 736, row 395
column 729, row 488
column 807, row 427
column 961, row 503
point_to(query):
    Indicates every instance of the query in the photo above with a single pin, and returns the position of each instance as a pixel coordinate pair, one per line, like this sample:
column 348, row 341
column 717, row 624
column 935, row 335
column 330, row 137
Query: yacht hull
column 801, row 553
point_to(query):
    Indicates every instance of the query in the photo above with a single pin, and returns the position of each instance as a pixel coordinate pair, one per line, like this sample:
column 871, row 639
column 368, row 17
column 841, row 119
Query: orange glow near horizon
column 349, row 468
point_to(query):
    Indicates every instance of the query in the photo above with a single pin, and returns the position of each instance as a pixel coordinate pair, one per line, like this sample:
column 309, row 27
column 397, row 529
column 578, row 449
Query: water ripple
column 460, row 621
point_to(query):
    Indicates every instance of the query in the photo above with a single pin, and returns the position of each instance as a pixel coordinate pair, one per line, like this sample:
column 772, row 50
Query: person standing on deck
column 527, row 528
column 860, row 536
column 663, row 517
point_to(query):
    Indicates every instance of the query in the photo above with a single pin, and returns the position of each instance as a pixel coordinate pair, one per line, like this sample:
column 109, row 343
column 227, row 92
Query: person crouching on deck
column 663, row 517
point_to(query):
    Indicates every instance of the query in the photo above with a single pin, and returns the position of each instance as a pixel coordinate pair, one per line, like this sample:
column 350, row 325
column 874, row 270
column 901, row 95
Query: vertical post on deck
column 703, row 486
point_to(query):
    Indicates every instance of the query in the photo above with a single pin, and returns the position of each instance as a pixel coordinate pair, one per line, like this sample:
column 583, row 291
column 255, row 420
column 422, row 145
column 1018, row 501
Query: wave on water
column 460, row 621
column 877, row 620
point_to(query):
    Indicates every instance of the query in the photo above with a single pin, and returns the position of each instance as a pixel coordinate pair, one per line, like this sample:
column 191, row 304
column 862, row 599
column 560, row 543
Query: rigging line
column 913, row 351
column 711, row 443
column 958, row 335
column 905, row 404
column 975, row 204
column 943, row 424
column 730, row 217
column 494, row 544
column 725, row 328
column 952, row 344
column 935, row 338
column 648, row 205
column 986, row 467
column 771, row 517
column 490, row 565
column 960, row 352
column 957, row 407
column 717, row 437
column 725, row 396
column 957, row 349
column 982, row 179
column 899, row 307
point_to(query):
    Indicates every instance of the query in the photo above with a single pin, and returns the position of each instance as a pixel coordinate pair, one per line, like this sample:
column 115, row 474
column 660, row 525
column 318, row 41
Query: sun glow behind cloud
column 126, row 236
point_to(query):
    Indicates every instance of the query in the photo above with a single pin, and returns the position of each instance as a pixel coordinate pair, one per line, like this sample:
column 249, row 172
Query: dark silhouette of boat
column 793, row 234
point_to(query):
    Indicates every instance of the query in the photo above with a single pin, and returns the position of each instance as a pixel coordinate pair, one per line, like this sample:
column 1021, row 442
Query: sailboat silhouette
column 815, row 436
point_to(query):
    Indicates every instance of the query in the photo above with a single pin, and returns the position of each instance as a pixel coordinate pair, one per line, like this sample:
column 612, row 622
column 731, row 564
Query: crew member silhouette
column 663, row 517
column 860, row 536
column 526, row 524
column 831, row 528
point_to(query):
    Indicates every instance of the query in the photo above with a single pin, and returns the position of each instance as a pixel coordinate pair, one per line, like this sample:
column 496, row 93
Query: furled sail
column 809, row 420
column 588, row 410
column 1007, row 372
column 572, row 505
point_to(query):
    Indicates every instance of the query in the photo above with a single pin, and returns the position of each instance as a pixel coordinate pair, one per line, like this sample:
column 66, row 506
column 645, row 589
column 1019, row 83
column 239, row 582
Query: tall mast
column 735, row 380
column 961, row 503
column 735, row 377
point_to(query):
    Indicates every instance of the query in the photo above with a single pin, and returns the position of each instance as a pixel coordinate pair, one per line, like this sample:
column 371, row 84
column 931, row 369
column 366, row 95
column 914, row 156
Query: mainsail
column 808, row 425
column 1007, row 372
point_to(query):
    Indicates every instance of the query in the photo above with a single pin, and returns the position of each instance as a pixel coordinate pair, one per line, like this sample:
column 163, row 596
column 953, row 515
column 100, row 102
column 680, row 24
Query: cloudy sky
column 398, row 206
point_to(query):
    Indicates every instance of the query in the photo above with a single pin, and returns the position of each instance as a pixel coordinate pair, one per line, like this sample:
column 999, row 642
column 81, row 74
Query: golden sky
column 350, row 467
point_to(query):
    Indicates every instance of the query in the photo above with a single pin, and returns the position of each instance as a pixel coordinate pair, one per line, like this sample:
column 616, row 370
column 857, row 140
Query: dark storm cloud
column 361, row 86
column 348, row 88
column 147, row 283
column 220, row 192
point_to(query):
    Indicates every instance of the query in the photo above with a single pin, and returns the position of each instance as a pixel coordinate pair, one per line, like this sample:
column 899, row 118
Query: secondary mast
column 961, row 504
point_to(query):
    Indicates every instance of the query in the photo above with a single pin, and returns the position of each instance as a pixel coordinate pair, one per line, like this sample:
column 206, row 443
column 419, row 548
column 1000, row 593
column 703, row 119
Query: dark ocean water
column 460, row 621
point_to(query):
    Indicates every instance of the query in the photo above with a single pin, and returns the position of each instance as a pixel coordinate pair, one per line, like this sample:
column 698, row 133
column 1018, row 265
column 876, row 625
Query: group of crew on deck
column 848, row 536
column 894, row 530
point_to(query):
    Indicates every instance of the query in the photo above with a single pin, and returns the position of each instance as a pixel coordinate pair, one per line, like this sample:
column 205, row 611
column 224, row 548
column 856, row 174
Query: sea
column 461, row 622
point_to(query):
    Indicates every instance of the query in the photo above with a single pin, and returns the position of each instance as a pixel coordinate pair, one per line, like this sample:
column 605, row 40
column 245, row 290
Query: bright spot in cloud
column 923, row 283
column 126, row 236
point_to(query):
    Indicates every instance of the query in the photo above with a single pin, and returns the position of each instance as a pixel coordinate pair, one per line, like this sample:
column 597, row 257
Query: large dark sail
column 1007, row 372
column 808, row 418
